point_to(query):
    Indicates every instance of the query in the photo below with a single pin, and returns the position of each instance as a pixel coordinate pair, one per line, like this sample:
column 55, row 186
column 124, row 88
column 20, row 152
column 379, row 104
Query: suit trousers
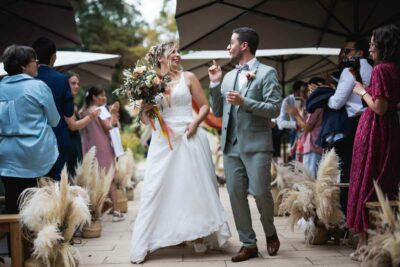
column 249, row 173
column 344, row 150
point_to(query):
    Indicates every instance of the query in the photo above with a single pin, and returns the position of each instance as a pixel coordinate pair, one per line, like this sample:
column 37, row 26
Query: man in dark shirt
column 59, row 85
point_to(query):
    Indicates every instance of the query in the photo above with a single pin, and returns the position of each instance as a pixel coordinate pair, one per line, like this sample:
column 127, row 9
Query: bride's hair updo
column 158, row 51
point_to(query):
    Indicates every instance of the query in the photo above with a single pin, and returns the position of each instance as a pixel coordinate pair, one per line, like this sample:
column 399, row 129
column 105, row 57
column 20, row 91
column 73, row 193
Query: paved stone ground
column 112, row 248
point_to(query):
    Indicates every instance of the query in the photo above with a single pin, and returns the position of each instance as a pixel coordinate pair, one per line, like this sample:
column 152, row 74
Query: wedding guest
column 59, row 85
column 285, row 121
column 96, row 133
column 377, row 144
column 27, row 113
column 75, row 123
column 356, row 51
column 311, row 125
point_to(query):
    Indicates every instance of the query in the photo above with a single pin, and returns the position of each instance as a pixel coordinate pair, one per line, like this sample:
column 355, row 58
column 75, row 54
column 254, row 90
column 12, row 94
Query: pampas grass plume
column 84, row 168
column 47, row 238
column 38, row 206
column 327, row 193
column 387, row 213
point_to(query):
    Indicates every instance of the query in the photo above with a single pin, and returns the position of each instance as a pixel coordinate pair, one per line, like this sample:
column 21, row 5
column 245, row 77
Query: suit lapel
column 246, row 85
column 231, row 76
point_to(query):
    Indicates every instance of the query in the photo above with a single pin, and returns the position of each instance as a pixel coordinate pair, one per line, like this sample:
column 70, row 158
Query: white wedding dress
column 179, row 199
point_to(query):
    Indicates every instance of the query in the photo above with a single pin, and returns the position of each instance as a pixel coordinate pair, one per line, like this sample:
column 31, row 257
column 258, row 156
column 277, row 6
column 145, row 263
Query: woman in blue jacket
column 28, row 147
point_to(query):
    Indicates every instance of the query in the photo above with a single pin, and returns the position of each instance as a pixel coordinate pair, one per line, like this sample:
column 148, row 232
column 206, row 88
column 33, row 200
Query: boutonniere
column 250, row 75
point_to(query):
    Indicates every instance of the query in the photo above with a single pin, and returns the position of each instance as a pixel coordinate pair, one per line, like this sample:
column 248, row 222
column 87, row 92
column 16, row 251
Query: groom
column 248, row 97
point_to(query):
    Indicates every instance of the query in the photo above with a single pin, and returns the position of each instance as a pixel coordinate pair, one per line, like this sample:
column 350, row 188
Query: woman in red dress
column 377, row 144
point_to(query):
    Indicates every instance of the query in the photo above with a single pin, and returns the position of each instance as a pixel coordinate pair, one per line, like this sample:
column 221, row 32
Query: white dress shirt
column 284, row 120
column 344, row 95
column 242, row 79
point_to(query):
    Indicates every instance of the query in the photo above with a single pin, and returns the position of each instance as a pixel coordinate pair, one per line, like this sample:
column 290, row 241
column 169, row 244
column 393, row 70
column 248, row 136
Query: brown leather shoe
column 273, row 244
column 245, row 253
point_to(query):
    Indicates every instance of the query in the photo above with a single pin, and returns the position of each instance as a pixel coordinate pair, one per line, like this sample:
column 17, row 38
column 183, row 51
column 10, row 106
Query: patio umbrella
column 208, row 24
column 291, row 64
column 23, row 21
column 93, row 68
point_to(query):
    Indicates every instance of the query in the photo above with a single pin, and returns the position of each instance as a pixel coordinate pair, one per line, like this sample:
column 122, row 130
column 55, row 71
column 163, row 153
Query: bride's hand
column 191, row 129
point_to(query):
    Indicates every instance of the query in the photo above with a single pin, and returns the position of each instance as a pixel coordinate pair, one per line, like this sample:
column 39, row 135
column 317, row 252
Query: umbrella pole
column 283, row 83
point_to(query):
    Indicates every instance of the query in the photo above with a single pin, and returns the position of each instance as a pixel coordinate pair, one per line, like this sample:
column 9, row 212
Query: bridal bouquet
column 144, row 84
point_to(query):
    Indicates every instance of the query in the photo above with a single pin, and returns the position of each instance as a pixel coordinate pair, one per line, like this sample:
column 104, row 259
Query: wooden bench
column 9, row 223
column 342, row 185
column 375, row 206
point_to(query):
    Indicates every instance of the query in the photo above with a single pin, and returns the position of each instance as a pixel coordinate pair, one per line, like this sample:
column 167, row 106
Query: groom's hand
column 215, row 72
column 234, row 98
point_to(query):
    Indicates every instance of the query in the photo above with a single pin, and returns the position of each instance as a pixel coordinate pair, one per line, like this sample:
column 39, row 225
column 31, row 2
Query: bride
column 179, row 199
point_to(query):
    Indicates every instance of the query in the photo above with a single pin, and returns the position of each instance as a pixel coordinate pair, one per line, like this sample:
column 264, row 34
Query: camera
column 353, row 63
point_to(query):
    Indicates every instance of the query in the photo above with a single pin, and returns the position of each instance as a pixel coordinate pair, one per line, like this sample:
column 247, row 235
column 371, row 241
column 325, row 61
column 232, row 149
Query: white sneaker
column 200, row 248
column 117, row 216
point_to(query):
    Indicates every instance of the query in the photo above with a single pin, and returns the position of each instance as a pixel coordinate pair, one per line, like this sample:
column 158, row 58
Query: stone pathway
column 112, row 248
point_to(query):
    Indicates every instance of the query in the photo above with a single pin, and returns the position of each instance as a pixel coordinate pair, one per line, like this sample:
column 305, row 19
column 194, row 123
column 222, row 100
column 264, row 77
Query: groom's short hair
column 248, row 35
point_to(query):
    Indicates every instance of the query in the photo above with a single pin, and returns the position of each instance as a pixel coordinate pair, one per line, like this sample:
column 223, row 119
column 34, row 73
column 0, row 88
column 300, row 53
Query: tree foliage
column 166, row 29
column 115, row 27
column 111, row 26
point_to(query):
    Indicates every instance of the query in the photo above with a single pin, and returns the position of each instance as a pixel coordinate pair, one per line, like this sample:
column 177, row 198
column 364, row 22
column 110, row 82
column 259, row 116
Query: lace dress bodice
column 177, row 110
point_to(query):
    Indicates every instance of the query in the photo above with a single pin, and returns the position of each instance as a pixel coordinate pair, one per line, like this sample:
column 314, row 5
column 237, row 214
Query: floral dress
column 376, row 148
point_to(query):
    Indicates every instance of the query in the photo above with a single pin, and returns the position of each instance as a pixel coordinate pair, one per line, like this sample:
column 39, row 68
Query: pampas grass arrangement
column 131, row 184
column 384, row 247
column 303, row 205
column 283, row 179
column 124, row 172
column 287, row 176
column 124, row 167
column 327, row 195
column 49, row 217
column 315, row 201
column 274, row 188
column 97, row 182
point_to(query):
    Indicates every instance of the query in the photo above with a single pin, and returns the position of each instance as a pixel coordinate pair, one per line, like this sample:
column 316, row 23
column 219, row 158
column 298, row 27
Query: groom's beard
column 236, row 59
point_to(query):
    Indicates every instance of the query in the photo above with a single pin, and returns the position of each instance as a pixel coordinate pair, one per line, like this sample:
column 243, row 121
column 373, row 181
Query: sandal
column 355, row 256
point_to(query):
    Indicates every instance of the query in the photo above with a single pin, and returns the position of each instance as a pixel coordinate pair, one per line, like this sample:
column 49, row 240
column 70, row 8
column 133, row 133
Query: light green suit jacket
column 262, row 100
